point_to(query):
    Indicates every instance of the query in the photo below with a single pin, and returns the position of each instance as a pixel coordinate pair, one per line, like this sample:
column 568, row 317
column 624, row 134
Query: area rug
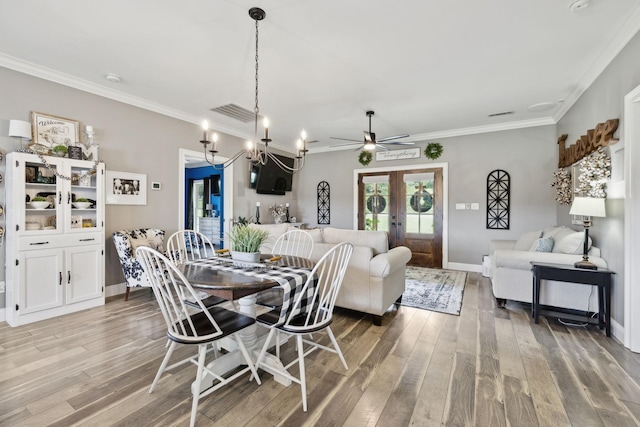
column 434, row 289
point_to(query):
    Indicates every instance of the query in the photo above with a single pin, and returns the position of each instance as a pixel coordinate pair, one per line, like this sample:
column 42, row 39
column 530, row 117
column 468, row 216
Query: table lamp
column 20, row 129
column 587, row 207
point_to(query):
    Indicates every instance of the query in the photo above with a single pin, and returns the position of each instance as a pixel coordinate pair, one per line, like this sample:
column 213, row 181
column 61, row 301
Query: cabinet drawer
column 53, row 241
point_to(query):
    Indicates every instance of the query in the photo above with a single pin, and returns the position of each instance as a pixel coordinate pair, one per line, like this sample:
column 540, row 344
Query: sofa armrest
column 384, row 264
column 521, row 260
column 495, row 245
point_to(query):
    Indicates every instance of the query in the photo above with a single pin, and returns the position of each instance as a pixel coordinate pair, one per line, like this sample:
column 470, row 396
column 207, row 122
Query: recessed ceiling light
column 113, row 78
column 576, row 5
column 542, row 106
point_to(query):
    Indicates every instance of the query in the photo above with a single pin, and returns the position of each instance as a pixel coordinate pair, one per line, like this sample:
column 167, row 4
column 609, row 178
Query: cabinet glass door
column 42, row 197
column 84, row 198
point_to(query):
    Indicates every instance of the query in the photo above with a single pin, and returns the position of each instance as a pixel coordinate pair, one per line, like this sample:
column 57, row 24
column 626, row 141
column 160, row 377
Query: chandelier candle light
column 252, row 152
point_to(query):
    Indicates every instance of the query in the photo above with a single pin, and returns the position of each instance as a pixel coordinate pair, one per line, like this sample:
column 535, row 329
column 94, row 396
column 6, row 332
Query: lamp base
column 585, row 265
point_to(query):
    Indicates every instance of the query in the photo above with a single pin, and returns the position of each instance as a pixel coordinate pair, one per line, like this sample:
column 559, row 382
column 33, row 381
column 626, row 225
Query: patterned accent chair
column 126, row 243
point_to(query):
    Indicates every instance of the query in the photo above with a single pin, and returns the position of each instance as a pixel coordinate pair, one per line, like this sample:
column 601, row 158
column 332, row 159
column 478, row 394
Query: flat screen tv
column 269, row 178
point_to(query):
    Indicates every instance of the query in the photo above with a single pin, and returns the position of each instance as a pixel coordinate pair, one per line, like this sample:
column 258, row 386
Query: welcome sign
column 407, row 153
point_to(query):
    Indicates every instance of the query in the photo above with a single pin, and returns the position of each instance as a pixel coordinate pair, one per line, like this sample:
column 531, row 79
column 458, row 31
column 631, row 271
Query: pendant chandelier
column 252, row 151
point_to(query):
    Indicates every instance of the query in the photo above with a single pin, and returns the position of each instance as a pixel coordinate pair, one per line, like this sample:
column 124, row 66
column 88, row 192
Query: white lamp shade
column 588, row 206
column 20, row 129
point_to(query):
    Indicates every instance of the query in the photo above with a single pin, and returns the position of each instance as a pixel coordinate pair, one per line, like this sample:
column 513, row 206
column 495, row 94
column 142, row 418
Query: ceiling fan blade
column 389, row 138
column 345, row 139
column 346, row 145
column 382, row 147
column 396, row 143
column 312, row 141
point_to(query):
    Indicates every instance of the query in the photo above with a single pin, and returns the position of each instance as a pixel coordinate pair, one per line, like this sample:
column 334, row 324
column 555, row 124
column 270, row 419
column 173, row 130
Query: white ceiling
column 430, row 69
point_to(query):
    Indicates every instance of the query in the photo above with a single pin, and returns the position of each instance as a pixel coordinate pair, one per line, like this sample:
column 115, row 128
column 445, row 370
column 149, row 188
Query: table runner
column 290, row 279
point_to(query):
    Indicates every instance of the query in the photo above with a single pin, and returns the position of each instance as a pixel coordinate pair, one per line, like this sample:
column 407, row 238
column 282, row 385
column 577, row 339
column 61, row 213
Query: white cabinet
column 55, row 254
column 210, row 227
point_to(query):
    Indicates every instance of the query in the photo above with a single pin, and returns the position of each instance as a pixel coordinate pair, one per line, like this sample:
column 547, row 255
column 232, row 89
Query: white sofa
column 511, row 275
column 375, row 277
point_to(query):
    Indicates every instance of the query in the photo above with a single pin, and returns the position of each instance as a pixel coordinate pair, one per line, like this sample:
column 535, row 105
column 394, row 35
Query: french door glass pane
column 419, row 206
column 376, row 204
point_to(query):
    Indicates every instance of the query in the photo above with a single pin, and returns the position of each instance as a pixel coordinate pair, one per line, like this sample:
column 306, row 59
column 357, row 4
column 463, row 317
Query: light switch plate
column 475, row 206
column 460, row 206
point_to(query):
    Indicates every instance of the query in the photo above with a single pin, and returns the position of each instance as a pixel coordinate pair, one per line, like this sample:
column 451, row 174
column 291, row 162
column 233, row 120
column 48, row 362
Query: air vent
column 236, row 112
column 504, row 113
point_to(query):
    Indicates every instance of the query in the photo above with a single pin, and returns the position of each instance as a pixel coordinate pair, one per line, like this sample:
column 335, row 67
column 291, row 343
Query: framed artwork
column 49, row 131
column 124, row 188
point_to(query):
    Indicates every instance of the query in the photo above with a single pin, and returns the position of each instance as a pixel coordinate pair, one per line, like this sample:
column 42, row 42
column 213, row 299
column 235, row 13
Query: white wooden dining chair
column 187, row 326
column 296, row 243
column 309, row 315
column 190, row 245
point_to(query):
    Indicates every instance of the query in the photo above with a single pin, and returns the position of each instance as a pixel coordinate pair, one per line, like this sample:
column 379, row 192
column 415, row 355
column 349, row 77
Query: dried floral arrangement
column 595, row 171
column 562, row 184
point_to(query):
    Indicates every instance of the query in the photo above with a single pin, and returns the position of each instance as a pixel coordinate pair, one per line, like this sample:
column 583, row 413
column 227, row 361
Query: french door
column 408, row 205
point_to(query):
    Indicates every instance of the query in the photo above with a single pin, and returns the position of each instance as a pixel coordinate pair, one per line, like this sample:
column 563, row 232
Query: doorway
column 408, row 204
column 189, row 157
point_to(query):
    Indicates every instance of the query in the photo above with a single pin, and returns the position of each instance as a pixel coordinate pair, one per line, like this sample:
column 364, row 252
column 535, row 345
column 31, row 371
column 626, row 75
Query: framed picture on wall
column 49, row 131
column 124, row 188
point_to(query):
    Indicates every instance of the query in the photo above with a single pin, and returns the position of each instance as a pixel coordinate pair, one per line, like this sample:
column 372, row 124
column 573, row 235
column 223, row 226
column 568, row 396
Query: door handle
column 60, row 278
column 393, row 223
column 68, row 276
column 399, row 224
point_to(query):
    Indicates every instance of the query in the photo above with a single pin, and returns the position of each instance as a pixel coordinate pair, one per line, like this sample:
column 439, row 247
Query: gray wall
column 602, row 101
column 131, row 140
column 528, row 155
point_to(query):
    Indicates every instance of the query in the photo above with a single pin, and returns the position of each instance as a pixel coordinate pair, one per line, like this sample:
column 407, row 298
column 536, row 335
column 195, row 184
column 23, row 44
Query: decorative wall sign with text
column 601, row 136
column 498, row 199
column 407, row 153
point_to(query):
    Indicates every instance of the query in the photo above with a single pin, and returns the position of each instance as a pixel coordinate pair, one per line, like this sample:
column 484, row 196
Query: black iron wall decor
column 324, row 203
column 498, row 199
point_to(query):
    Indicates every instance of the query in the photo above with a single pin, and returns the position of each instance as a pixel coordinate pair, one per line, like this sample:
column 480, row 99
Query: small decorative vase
column 278, row 220
column 245, row 256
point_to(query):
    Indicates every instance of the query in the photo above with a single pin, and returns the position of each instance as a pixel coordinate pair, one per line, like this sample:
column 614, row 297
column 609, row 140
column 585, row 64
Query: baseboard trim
column 617, row 331
column 116, row 289
column 475, row 268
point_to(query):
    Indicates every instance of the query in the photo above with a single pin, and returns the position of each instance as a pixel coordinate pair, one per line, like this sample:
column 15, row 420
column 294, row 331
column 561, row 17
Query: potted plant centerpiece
column 246, row 242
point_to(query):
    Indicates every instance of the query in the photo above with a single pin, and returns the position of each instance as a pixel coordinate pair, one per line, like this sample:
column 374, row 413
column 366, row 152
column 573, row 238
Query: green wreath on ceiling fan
column 433, row 150
column 365, row 157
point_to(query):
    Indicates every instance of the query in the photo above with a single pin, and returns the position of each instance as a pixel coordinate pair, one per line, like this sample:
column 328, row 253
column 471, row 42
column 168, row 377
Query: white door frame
column 631, row 212
column 183, row 154
column 445, row 198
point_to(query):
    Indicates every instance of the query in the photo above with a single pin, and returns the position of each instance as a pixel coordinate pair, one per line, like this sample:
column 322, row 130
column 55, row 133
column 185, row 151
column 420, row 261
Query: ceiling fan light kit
column 370, row 142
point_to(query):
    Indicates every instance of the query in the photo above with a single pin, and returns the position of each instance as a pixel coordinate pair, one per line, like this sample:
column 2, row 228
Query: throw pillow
column 526, row 240
column 572, row 243
column 543, row 244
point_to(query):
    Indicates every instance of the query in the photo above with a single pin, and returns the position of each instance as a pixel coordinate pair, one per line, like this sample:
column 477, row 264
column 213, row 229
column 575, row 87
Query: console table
column 564, row 273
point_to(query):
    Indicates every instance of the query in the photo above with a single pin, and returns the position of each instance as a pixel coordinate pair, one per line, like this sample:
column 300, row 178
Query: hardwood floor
column 486, row 367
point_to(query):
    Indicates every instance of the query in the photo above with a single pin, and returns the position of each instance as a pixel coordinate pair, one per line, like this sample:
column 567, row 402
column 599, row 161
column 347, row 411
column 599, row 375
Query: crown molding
column 522, row 124
column 49, row 74
column 627, row 31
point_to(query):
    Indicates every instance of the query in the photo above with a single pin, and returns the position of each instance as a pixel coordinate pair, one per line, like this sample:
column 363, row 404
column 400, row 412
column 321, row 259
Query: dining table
column 233, row 281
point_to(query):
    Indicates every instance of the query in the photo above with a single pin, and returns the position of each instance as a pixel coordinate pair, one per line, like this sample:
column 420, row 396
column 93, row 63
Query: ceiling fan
column 370, row 142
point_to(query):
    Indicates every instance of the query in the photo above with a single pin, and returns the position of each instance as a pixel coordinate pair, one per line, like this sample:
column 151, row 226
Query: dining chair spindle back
column 187, row 326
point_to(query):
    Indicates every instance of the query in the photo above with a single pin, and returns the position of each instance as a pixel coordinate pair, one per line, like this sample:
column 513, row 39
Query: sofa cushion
column 543, row 244
column 315, row 233
column 377, row 240
column 526, row 240
column 275, row 231
column 572, row 243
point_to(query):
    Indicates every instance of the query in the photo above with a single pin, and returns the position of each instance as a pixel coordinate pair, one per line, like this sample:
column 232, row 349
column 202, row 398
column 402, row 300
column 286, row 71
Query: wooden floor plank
column 518, row 403
column 489, row 403
column 461, row 397
column 549, row 408
column 510, row 360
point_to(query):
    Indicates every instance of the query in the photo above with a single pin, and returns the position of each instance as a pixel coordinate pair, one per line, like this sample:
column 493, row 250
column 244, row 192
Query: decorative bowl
column 39, row 205
column 81, row 205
